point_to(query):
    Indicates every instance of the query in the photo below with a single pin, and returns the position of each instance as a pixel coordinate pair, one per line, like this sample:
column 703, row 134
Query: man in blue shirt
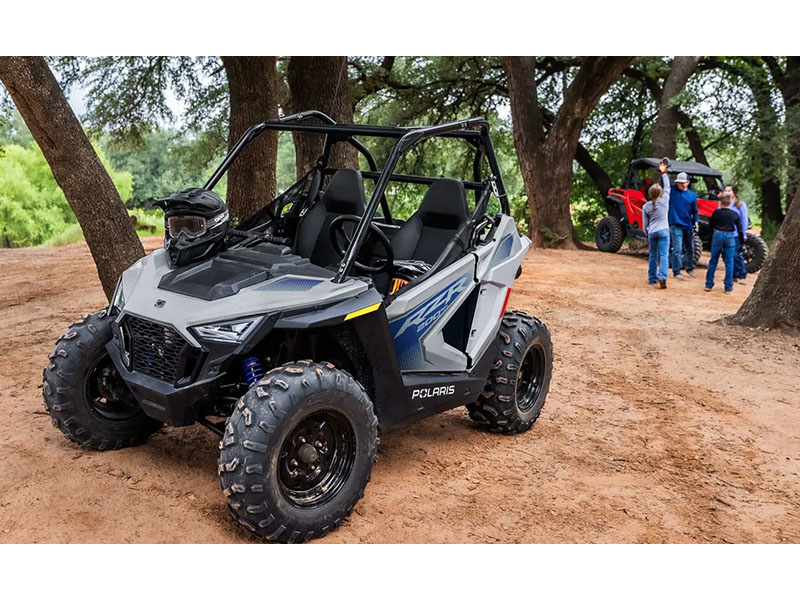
column 682, row 219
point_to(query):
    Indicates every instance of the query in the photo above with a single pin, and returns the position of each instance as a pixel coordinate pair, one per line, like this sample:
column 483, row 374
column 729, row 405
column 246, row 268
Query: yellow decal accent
column 363, row 311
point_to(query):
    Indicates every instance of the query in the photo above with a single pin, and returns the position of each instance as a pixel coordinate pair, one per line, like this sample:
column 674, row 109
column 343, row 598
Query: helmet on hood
column 196, row 222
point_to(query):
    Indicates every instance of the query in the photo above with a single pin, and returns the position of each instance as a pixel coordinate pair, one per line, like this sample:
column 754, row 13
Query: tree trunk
column 665, row 129
column 791, row 100
column 775, row 299
column 770, row 158
column 695, row 145
column 598, row 175
column 78, row 171
column 321, row 83
column 546, row 159
column 253, row 88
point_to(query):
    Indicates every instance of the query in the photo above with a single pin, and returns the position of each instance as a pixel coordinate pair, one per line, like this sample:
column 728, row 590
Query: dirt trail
column 651, row 432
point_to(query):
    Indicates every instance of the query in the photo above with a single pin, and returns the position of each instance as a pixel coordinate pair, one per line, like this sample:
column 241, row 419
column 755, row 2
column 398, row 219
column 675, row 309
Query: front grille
column 156, row 350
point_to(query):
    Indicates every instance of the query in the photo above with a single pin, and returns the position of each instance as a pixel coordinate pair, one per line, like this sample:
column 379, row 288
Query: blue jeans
column 739, row 268
column 659, row 250
column 724, row 243
column 682, row 242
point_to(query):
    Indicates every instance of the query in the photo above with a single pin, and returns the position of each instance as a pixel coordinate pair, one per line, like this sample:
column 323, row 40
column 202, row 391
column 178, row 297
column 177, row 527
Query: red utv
column 625, row 204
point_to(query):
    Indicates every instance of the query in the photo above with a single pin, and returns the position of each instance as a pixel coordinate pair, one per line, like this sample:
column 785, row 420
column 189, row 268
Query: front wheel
column 85, row 395
column 298, row 451
column 609, row 235
column 520, row 379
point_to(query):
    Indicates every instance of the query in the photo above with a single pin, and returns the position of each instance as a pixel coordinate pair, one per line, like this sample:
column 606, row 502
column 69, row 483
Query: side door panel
column 417, row 317
column 498, row 264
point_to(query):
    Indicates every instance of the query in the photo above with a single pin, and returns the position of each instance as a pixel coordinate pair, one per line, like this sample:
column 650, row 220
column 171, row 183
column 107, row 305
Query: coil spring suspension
column 253, row 372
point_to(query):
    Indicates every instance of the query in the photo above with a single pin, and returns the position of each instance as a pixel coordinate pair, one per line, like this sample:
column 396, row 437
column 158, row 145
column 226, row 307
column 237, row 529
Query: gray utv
column 313, row 326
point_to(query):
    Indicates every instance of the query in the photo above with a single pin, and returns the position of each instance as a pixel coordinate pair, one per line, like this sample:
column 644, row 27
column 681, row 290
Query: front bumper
column 164, row 402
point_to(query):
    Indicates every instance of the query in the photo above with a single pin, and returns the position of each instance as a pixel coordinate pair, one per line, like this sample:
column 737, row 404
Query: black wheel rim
column 530, row 378
column 749, row 253
column 106, row 393
column 316, row 459
column 605, row 234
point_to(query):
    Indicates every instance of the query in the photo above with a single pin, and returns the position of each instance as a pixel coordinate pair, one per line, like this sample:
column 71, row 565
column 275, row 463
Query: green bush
column 148, row 222
column 33, row 209
column 584, row 217
column 70, row 235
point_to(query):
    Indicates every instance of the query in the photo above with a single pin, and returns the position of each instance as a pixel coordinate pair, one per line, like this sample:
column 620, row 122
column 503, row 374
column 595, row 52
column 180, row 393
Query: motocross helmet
column 196, row 222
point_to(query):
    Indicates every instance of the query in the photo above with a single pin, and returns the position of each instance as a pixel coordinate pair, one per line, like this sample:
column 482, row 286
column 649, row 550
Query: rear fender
column 634, row 203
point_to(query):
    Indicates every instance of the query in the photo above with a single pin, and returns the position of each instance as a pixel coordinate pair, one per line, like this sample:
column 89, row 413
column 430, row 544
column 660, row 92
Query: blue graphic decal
column 408, row 330
column 289, row 284
column 504, row 250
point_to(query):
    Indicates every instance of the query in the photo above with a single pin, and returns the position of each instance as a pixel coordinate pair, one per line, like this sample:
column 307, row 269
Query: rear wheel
column 698, row 250
column 298, row 452
column 609, row 235
column 755, row 253
column 85, row 395
column 520, row 379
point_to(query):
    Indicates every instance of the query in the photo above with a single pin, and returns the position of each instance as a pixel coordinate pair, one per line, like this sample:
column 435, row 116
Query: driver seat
column 343, row 196
column 426, row 233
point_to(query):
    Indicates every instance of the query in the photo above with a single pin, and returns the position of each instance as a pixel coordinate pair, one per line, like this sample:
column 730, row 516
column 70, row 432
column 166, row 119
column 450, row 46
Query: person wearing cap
column 682, row 220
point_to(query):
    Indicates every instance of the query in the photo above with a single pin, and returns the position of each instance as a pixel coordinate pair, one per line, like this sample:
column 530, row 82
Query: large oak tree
column 775, row 299
column 253, row 89
column 753, row 72
column 665, row 129
column 321, row 83
column 86, row 185
column 786, row 75
column 546, row 155
column 222, row 96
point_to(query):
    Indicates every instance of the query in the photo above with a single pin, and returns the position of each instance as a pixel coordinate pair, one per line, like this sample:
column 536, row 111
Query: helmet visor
column 190, row 226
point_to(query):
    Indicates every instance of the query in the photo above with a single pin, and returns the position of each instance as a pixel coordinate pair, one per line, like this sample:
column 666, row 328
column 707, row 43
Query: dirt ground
column 662, row 425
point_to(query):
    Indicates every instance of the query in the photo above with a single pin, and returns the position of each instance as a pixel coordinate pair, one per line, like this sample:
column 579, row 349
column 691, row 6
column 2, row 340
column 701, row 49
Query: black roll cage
column 474, row 130
column 693, row 170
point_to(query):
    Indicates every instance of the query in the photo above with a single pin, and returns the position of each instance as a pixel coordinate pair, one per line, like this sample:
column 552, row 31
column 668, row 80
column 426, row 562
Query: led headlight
column 231, row 332
column 118, row 299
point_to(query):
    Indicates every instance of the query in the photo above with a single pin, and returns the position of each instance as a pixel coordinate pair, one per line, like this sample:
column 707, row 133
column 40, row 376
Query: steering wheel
column 341, row 241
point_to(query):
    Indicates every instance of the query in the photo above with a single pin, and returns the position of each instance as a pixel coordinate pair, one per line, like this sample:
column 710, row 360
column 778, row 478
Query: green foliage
column 431, row 90
column 148, row 222
column 33, row 208
column 13, row 129
column 163, row 124
column 769, row 231
column 131, row 96
column 69, row 235
column 163, row 163
column 286, row 173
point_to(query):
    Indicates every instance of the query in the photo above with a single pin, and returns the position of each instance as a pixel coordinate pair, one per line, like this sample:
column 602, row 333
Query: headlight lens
column 118, row 299
column 232, row 332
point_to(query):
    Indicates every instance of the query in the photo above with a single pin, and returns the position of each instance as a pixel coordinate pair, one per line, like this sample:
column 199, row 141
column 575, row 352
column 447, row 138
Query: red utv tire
column 609, row 234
